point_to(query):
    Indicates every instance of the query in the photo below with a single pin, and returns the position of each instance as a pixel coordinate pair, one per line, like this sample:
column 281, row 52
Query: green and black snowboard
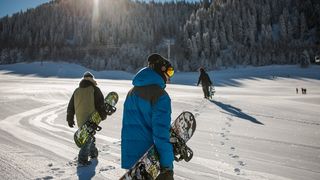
column 91, row 125
column 148, row 166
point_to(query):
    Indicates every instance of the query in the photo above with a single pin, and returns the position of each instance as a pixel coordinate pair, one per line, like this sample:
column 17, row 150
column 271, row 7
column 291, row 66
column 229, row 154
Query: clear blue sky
column 12, row 6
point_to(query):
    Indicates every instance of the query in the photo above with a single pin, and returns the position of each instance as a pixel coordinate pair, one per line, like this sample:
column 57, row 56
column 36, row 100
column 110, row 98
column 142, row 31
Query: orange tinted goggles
column 170, row 71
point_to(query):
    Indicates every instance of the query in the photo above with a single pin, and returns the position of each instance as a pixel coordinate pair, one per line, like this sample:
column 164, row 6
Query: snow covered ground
column 256, row 127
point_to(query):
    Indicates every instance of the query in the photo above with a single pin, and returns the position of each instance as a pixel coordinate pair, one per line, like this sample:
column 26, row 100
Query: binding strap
column 180, row 149
column 110, row 109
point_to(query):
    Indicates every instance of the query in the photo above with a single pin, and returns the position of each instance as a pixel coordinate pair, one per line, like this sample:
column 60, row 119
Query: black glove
column 165, row 174
column 70, row 121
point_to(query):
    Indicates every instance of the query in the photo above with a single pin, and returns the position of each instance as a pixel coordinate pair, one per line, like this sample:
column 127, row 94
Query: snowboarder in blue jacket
column 147, row 116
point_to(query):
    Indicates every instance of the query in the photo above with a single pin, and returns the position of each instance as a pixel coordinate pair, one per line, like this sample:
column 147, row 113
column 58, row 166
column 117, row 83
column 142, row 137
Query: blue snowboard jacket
column 146, row 120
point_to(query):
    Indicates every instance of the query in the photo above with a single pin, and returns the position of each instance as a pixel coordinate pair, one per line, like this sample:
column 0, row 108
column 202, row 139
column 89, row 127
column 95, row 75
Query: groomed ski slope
column 256, row 127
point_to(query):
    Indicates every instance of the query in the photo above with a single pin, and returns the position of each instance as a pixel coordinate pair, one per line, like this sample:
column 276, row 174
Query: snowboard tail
column 91, row 125
column 180, row 149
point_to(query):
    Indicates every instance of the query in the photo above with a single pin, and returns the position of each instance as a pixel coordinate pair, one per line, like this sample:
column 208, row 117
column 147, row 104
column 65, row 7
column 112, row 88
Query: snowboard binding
column 180, row 149
column 93, row 127
column 110, row 109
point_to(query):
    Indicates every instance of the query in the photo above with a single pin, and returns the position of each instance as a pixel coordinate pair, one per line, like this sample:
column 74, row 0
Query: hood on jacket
column 85, row 83
column 147, row 76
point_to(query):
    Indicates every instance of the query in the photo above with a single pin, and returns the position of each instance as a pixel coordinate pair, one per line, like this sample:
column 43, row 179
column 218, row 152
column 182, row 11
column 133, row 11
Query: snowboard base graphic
column 91, row 125
column 148, row 166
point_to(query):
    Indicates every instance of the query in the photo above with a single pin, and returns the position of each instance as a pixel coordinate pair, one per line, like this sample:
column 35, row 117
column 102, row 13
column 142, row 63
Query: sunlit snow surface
column 256, row 127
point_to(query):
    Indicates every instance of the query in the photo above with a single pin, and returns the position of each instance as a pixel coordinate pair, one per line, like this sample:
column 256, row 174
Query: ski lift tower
column 317, row 59
column 169, row 43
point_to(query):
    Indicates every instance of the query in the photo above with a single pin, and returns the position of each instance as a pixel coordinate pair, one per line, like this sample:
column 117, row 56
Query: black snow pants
column 205, row 89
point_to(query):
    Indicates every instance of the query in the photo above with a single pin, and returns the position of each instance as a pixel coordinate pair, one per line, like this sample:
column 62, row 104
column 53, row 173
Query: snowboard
column 212, row 90
column 148, row 166
column 91, row 125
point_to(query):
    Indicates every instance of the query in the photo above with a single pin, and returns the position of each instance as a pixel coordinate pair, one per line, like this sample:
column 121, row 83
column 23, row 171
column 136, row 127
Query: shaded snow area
column 256, row 127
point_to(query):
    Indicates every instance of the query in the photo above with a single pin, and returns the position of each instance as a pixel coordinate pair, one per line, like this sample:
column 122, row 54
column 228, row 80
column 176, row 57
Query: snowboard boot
column 94, row 153
column 82, row 162
column 93, row 149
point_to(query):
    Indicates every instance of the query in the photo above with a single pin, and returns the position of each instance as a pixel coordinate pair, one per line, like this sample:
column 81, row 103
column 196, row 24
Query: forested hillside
column 119, row 34
column 253, row 32
column 104, row 34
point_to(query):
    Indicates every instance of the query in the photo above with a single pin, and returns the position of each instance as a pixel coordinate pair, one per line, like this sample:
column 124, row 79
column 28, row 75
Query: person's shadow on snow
column 87, row 172
column 236, row 112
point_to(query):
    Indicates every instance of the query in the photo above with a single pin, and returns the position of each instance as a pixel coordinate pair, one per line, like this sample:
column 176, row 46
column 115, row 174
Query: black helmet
column 161, row 65
column 88, row 74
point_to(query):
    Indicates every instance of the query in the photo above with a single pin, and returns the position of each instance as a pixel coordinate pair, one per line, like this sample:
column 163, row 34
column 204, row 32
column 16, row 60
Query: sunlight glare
column 95, row 19
column 95, row 10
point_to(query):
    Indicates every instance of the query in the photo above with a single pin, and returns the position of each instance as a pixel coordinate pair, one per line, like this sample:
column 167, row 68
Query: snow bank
column 230, row 76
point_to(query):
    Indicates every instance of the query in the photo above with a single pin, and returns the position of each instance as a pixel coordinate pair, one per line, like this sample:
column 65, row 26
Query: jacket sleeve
column 199, row 80
column 161, row 123
column 70, row 109
column 209, row 80
column 99, row 103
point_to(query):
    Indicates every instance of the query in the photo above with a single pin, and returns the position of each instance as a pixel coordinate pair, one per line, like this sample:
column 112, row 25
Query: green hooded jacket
column 86, row 99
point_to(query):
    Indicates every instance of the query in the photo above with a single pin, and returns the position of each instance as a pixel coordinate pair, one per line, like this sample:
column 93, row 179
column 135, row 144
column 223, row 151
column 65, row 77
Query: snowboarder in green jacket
column 86, row 99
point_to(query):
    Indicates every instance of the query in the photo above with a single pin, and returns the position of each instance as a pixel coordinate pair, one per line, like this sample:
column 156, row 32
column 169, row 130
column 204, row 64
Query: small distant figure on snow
column 297, row 90
column 205, row 82
column 303, row 90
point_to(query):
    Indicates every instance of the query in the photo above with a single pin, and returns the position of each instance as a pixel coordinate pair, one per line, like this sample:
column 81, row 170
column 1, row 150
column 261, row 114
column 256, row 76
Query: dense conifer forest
column 119, row 34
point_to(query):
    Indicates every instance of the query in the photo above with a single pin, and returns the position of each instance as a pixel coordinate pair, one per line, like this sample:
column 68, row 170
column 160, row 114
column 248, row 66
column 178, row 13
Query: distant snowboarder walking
column 205, row 81
column 86, row 99
column 303, row 91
